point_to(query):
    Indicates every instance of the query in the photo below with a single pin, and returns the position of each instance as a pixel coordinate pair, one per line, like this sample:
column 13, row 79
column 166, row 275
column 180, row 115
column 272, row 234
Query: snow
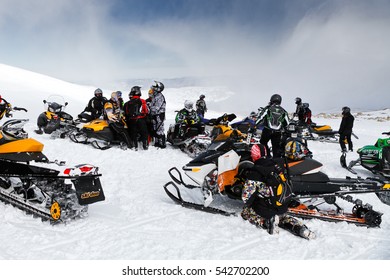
column 137, row 221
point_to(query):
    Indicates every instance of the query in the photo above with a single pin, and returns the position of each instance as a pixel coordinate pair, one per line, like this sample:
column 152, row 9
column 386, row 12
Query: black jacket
column 346, row 124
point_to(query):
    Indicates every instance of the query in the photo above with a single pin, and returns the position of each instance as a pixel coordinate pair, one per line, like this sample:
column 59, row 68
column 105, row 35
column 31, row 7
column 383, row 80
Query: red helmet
column 258, row 151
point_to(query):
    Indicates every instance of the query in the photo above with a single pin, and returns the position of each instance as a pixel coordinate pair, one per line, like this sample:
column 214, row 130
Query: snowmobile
column 55, row 121
column 323, row 133
column 375, row 158
column 51, row 194
column 224, row 174
column 193, row 140
column 98, row 134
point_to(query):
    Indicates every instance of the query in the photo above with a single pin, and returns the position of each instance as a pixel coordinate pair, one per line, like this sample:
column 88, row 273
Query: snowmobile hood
column 96, row 125
column 21, row 146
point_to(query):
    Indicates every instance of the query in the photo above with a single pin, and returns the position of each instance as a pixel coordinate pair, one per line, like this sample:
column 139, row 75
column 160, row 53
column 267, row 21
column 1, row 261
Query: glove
column 192, row 121
column 112, row 117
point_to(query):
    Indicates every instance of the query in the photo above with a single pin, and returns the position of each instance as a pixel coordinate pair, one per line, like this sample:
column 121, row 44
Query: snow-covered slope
column 139, row 222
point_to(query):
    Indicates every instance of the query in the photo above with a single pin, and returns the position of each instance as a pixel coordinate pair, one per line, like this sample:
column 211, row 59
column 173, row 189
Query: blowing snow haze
column 329, row 53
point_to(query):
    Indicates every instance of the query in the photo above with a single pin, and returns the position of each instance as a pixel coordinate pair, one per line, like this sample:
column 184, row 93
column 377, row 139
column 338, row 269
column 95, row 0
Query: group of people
column 133, row 121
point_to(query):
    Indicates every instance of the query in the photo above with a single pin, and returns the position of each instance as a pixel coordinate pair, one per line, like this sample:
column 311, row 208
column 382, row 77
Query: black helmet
column 98, row 92
column 158, row 87
column 276, row 99
column 136, row 90
column 202, row 96
column 346, row 110
column 298, row 100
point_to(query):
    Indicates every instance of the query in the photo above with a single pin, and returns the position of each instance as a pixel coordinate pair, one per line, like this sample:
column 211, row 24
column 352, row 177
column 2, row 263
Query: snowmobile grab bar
column 179, row 180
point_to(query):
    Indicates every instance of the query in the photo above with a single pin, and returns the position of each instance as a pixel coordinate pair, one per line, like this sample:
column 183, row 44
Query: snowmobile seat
column 318, row 177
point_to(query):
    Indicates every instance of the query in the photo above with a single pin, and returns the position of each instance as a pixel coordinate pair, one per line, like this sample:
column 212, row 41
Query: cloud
column 331, row 53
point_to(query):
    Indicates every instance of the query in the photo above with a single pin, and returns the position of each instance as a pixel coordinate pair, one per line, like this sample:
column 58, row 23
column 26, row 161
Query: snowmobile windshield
column 55, row 103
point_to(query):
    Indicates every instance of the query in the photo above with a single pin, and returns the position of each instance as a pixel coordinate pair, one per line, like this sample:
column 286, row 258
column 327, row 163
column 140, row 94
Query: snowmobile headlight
column 291, row 127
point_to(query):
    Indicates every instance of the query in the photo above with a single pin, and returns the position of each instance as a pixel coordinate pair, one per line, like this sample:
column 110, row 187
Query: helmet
column 202, row 96
column 298, row 100
column 114, row 96
column 158, row 87
column 258, row 151
column 119, row 94
column 188, row 105
column 136, row 90
column 13, row 130
column 253, row 115
column 276, row 99
column 346, row 110
column 98, row 92
column 296, row 150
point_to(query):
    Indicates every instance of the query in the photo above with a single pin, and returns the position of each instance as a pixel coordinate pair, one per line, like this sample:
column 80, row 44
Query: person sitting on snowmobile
column 302, row 112
column 267, row 195
column 95, row 107
column 345, row 129
column 5, row 108
column 274, row 119
column 113, row 115
column 157, row 113
column 201, row 107
column 186, row 118
column 135, row 111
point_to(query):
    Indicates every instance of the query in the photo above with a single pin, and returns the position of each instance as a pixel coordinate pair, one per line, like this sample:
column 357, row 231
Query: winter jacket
column 157, row 105
column 136, row 102
column 188, row 117
column 346, row 124
column 273, row 117
column 96, row 106
column 112, row 111
column 201, row 107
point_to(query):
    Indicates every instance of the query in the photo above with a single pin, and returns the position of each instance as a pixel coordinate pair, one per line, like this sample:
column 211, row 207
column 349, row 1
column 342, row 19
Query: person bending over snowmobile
column 303, row 112
column 185, row 118
column 274, row 119
column 267, row 195
column 135, row 111
column 345, row 129
column 157, row 112
column 95, row 107
column 112, row 113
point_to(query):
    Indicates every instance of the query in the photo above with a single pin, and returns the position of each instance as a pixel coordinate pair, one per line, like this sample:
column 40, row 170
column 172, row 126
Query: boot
column 162, row 141
column 296, row 227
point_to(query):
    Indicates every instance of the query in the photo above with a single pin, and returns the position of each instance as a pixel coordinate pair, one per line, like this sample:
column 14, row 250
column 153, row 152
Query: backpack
column 275, row 117
column 133, row 108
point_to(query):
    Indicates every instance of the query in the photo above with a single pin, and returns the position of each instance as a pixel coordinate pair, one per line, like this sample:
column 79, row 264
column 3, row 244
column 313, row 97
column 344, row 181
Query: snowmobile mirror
column 44, row 101
column 66, row 103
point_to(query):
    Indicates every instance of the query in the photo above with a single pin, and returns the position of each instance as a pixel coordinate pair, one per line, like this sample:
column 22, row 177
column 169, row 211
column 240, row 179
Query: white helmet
column 189, row 105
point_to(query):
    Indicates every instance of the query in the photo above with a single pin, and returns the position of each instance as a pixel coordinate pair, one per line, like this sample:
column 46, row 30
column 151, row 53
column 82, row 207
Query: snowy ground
column 137, row 221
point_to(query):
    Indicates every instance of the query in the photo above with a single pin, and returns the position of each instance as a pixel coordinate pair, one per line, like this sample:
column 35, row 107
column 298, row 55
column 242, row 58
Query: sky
column 330, row 53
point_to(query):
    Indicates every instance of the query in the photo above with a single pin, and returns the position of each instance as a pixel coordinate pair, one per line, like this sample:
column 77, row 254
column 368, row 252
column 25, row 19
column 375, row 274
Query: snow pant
column 345, row 138
column 158, row 129
column 122, row 133
column 137, row 127
column 275, row 137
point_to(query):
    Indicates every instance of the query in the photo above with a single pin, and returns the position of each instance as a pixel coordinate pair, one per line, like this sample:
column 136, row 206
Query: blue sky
column 301, row 47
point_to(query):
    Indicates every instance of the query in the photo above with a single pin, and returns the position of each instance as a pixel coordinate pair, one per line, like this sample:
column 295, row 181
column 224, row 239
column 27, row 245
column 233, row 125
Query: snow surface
column 137, row 221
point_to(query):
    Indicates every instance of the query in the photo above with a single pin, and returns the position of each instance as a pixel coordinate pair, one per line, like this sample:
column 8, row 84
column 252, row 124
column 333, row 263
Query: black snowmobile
column 192, row 140
column 215, row 174
column 55, row 121
column 51, row 194
column 375, row 158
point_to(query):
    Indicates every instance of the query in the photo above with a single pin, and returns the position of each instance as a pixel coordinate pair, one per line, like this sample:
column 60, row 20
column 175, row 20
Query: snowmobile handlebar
column 386, row 133
column 19, row 109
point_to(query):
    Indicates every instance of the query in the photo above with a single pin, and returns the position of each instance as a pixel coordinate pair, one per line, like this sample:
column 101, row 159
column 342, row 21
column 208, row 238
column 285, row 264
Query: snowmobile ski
column 179, row 200
column 343, row 163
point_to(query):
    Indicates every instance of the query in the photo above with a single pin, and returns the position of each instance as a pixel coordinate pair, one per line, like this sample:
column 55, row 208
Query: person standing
column 157, row 112
column 274, row 119
column 201, row 107
column 135, row 111
column 345, row 129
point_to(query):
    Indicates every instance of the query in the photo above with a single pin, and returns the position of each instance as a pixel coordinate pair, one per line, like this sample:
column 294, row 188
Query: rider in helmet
column 115, row 119
column 302, row 111
column 274, row 119
column 186, row 118
column 94, row 109
column 345, row 129
column 267, row 195
column 157, row 113
column 201, row 107
column 135, row 111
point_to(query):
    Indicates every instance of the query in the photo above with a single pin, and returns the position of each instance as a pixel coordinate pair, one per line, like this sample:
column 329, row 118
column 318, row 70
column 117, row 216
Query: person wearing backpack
column 274, row 119
column 267, row 194
column 303, row 112
column 135, row 111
